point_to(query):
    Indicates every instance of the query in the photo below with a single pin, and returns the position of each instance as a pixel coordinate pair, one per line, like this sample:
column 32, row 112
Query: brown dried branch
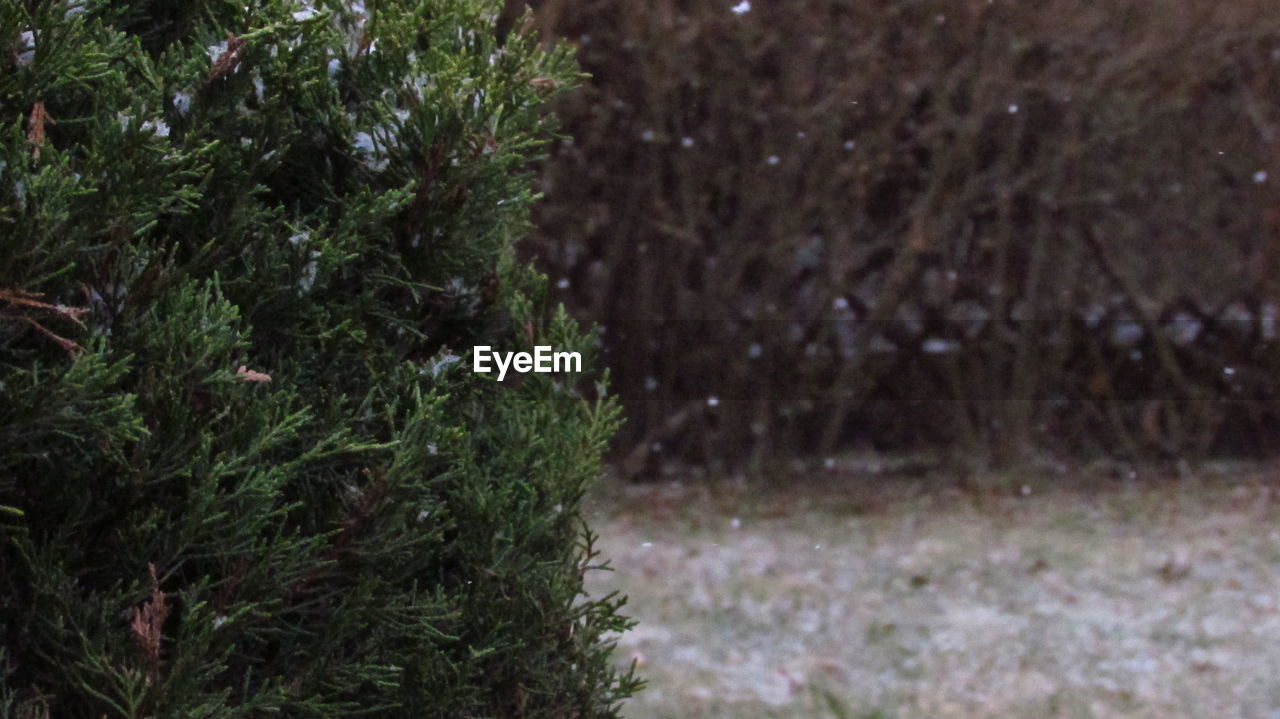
column 27, row 300
column 23, row 298
column 366, row 42
column 227, row 61
column 249, row 375
column 69, row 346
column 148, row 621
column 35, row 128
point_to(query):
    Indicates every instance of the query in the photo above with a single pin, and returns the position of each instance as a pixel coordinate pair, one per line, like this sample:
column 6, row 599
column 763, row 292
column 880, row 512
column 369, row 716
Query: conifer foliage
column 244, row 469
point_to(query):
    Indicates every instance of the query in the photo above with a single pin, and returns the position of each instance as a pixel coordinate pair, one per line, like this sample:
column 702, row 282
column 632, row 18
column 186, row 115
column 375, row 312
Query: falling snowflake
column 741, row 8
column 215, row 50
column 446, row 359
column 159, row 127
column 376, row 157
column 309, row 271
column 27, row 51
column 936, row 346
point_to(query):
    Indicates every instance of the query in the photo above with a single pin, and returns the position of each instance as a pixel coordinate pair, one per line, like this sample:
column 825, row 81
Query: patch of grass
column 1054, row 604
column 838, row 708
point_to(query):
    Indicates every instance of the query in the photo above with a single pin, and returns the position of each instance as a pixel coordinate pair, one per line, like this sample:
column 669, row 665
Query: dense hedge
column 978, row 225
column 243, row 471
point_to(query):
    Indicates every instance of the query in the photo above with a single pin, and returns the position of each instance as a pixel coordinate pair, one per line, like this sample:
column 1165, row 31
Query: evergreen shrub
column 244, row 467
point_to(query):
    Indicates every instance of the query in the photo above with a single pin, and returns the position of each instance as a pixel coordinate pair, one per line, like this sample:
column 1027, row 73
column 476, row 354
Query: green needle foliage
column 245, row 469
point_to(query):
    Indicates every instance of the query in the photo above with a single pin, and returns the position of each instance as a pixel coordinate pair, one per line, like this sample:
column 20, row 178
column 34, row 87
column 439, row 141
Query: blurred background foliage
column 988, row 229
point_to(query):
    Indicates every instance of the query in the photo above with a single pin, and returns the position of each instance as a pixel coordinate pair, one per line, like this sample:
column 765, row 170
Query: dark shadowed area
column 996, row 229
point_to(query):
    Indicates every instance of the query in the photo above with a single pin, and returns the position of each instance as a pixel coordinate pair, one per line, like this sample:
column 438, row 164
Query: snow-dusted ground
column 905, row 600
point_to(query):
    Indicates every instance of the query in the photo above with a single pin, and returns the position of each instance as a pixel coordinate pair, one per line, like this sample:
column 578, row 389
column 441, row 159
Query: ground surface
column 883, row 597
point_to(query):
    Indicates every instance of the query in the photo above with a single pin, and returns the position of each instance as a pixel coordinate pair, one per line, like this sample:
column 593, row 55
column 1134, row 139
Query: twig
column 35, row 128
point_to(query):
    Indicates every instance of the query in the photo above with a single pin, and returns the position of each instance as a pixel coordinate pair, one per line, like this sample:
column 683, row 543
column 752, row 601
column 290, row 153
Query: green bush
column 244, row 468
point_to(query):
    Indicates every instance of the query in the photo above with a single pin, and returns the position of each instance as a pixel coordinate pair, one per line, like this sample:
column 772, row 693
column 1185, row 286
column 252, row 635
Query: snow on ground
column 907, row 600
